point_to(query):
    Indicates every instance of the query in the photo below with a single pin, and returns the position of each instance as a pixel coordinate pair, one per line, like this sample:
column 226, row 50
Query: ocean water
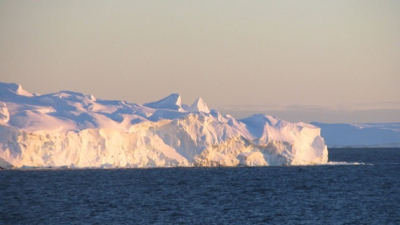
column 342, row 193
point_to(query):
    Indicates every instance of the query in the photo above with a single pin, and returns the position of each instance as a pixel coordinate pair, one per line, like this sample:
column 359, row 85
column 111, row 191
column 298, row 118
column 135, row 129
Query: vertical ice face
column 77, row 130
column 4, row 115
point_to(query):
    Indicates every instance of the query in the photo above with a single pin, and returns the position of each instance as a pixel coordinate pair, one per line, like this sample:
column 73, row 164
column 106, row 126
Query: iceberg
column 73, row 130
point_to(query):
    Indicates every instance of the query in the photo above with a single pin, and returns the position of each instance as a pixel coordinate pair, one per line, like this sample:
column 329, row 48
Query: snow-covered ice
column 73, row 130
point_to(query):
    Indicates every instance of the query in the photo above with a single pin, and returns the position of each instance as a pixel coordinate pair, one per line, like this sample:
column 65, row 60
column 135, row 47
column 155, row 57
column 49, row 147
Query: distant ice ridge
column 74, row 130
column 380, row 135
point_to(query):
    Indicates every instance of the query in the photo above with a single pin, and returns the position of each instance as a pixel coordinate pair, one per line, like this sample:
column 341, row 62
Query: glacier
column 73, row 130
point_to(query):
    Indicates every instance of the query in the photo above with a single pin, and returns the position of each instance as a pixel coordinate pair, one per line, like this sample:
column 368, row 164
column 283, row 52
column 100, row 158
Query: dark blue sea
column 348, row 193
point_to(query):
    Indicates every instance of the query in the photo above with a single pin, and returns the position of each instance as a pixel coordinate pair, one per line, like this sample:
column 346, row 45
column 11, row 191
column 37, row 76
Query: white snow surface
column 74, row 130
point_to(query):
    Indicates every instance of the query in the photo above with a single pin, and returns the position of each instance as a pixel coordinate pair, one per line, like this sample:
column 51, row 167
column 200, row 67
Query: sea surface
column 366, row 192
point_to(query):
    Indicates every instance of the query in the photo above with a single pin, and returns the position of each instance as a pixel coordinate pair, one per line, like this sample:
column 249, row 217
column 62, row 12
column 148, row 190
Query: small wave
column 347, row 164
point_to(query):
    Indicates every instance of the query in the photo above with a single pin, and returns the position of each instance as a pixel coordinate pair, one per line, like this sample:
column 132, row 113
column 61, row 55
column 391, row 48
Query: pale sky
column 326, row 61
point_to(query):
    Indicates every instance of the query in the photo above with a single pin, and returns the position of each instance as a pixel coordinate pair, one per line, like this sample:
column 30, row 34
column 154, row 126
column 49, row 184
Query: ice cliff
column 73, row 130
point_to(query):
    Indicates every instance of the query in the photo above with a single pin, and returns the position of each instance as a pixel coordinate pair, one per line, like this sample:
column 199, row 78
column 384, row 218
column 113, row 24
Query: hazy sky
column 327, row 61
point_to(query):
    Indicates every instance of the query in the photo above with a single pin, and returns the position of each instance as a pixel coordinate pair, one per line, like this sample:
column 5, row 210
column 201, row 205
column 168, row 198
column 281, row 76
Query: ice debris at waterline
column 73, row 130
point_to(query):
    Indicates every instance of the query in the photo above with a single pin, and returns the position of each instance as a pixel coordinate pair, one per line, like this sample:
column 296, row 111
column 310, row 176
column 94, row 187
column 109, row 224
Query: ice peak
column 91, row 97
column 172, row 101
column 14, row 88
column 260, row 119
column 199, row 106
